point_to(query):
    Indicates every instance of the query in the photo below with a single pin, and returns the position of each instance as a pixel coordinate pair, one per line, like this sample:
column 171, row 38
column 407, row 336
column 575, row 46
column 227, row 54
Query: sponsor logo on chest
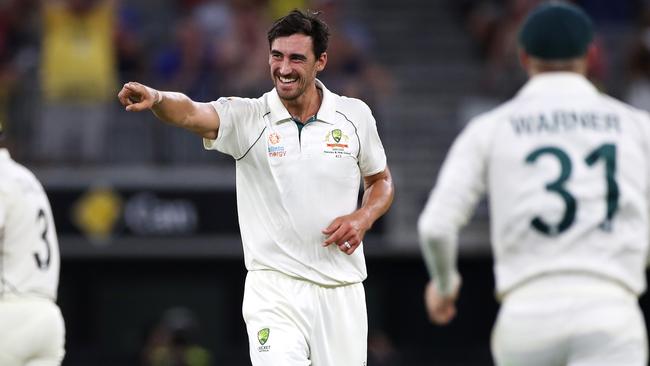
column 336, row 143
column 275, row 149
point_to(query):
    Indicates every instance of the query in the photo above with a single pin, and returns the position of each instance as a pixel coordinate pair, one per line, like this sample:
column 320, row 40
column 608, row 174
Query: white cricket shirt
column 29, row 249
column 291, row 185
column 567, row 171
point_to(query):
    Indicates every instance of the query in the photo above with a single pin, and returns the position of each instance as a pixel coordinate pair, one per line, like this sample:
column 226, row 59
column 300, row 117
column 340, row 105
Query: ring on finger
column 347, row 245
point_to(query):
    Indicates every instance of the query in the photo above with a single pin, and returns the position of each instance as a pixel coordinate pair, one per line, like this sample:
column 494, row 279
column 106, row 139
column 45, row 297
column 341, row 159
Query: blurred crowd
column 619, row 63
column 62, row 61
column 492, row 26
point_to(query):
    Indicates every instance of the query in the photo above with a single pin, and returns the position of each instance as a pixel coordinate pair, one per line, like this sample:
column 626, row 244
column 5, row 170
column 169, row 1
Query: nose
column 285, row 67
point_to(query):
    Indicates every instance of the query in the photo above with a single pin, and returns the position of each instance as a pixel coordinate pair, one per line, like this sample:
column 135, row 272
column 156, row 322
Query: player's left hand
column 441, row 309
column 347, row 231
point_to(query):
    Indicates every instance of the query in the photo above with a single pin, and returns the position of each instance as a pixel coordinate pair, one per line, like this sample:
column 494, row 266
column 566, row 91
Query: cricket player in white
column 301, row 152
column 31, row 322
column 567, row 171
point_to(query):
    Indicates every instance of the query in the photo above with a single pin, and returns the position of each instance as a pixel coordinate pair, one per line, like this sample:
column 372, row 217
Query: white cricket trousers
column 293, row 322
column 33, row 332
column 570, row 320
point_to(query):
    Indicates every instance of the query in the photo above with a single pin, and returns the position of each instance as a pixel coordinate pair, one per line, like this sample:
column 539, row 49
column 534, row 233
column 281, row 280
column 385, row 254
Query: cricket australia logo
column 336, row 142
column 275, row 149
column 336, row 135
column 263, row 337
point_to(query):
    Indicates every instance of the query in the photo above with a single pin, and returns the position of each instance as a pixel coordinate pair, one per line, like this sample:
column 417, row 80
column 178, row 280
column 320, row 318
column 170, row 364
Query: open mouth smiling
column 287, row 80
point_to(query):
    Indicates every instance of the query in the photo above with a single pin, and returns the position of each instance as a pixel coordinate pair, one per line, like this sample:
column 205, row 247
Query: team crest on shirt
column 262, row 337
column 336, row 143
column 275, row 149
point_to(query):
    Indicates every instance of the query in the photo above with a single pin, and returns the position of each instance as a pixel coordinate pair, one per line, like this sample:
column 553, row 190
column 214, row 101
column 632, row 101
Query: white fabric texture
column 570, row 321
column 307, row 324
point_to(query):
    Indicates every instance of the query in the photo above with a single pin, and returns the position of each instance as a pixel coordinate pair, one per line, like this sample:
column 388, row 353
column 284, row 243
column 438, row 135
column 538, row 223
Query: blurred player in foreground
column 301, row 152
column 567, row 170
column 33, row 331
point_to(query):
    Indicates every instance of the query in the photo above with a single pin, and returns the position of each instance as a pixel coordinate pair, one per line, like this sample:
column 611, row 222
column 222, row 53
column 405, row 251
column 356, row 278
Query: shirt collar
column 326, row 112
column 557, row 83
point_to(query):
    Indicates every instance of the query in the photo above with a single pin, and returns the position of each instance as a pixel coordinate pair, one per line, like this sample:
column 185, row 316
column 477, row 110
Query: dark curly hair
column 298, row 22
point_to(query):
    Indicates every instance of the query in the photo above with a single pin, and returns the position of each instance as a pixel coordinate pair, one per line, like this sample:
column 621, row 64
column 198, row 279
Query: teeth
column 286, row 80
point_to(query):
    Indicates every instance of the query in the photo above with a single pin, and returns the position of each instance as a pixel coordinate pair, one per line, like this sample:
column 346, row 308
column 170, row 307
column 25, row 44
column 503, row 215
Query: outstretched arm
column 174, row 108
column 377, row 198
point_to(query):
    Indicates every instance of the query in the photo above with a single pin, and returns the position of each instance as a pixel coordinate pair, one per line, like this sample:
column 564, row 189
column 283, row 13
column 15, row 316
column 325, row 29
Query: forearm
column 174, row 108
column 445, row 212
column 377, row 198
column 181, row 111
column 440, row 256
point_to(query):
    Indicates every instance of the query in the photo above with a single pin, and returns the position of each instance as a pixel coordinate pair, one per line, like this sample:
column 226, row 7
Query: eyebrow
column 293, row 55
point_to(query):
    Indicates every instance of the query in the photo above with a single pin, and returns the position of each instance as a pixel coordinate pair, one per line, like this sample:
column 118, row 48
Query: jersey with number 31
column 29, row 250
column 567, row 170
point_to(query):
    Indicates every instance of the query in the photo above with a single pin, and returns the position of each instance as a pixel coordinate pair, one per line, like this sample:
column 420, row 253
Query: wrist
column 449, row 286
column 157, row 97
column 367, row 217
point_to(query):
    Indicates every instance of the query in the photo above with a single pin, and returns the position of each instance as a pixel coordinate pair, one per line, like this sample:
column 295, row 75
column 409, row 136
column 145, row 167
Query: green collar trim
column 301, row 125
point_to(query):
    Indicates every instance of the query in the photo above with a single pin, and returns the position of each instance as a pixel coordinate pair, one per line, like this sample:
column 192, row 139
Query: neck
column 578, row 66
column 306, row 105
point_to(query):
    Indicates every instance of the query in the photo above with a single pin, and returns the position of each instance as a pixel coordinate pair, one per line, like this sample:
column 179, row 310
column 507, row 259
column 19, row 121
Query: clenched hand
column 137, row 97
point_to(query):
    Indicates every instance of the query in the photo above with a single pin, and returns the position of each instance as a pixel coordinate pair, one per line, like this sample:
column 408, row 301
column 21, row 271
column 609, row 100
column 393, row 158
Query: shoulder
column 240, row 102
column 625, row 109
column 354, row 110
column 17, row 177
column 493, row 117
column 635, row 121
column 238, row 107
column 351, row 105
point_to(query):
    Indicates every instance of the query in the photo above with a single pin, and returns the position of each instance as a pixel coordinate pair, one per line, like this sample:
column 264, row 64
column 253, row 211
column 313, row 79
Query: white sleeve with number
column 30, row 247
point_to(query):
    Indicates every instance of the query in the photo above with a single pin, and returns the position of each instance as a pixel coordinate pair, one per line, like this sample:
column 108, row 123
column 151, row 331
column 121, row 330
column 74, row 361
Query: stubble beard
column 291, row 95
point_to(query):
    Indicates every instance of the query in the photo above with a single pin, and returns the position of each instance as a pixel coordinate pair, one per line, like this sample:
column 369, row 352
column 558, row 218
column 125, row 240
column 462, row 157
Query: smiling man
column 301, row 152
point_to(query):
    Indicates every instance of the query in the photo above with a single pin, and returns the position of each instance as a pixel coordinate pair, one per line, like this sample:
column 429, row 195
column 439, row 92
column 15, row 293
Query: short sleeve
column 372, row 157
column 241, row 123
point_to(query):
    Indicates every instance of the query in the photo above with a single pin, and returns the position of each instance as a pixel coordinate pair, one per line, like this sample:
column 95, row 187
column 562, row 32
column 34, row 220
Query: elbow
column 430, row 233
column 209, row 135
column 193, row 122
column 426, row 231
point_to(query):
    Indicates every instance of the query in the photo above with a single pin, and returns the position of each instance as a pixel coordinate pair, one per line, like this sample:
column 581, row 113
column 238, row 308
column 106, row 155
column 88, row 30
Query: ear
column 524, row 59
column 593, row 52
column 321, row 62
